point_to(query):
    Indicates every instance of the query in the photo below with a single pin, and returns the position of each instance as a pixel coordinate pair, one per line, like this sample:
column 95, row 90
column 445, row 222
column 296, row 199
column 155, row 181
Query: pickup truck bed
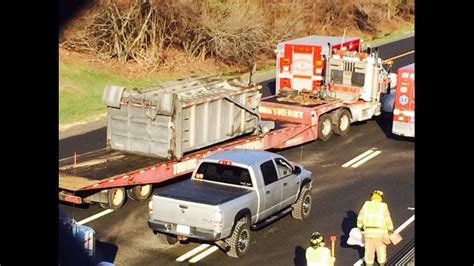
column 202, row 192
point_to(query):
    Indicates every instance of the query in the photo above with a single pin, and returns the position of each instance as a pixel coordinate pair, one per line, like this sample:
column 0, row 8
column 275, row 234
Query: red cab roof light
column 226, row 162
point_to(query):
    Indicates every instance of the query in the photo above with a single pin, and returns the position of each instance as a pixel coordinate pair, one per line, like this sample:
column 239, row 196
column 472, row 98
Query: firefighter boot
column 382, row 264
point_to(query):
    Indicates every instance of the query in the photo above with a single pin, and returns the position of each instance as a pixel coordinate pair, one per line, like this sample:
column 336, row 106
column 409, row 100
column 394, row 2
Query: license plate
column 183, row 229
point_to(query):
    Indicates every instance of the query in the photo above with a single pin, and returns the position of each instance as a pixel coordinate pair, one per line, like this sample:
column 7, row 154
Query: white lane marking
column 191, row 253
column 95, row 216
column 397, row 231
column 358, row 157
column 366, row 159
column 204, row 254
column 405, row 224
column 359, row 262
column 411, row 208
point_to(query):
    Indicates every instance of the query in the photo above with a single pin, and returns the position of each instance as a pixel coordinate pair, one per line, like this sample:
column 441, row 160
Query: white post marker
column 95, row 216
column 397, row 231
column 82, row 154
column 192, row 252
column 358, row 157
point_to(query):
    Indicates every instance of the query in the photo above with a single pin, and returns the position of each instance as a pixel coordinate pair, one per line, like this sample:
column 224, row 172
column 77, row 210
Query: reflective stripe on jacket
column 320, row 256
column 375, row 218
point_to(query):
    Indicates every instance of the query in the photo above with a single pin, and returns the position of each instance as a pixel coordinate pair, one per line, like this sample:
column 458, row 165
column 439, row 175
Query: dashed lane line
column 366, row 159
column 362, row 158
column 95, row 216
column 358, row 157
column 192, row 252
column 204, row 254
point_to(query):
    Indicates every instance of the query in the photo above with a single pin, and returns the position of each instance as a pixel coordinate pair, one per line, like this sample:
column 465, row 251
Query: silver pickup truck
column 229, row 193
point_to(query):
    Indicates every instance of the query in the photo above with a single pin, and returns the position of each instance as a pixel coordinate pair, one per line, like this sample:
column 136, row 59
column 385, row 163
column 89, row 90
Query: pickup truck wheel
column 302, row 207
column 166, row 239
column 343, row 123
column 116, row 198
column 239, row 241
column 140, row 192
column 324, row 127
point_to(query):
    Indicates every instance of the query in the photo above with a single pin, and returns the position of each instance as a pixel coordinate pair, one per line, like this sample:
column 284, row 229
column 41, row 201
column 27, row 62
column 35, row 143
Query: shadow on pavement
column 299, row 259
column 349, row 222
column 384, row 121
column 105, row 252
column 79, row 206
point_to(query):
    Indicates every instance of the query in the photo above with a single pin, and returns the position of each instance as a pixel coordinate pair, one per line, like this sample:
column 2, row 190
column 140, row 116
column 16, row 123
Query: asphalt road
column 338, row 193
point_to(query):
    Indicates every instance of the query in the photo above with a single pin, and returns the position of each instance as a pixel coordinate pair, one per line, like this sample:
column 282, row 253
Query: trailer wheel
column 324, row 127
column 166, row 239
column 239, row 241
column 140, row 192
column 116, row 198
column 343, row 123
column 302, row 207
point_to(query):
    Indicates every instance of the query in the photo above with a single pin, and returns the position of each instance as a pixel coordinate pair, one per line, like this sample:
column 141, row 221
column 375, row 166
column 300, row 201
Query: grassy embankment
column 81, row 85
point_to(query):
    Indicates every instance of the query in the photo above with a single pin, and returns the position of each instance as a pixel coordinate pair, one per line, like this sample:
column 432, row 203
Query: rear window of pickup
column 222, row 173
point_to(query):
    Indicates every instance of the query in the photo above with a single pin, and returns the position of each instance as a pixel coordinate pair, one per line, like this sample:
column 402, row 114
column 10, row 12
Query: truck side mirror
column 297, row 170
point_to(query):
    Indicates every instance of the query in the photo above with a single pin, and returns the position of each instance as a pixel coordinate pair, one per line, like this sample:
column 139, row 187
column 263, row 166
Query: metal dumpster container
column 179, row 116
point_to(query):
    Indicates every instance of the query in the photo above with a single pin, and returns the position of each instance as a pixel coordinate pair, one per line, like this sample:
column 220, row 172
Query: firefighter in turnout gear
column 375, row 222
column 317, row 254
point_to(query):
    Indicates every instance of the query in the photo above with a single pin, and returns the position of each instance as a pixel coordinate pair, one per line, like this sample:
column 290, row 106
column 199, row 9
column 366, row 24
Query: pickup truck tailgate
column 183, row 212
column 192, row 202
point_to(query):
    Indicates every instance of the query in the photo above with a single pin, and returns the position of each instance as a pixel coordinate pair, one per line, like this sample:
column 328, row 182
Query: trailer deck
column 106, row 169
column 95, row 166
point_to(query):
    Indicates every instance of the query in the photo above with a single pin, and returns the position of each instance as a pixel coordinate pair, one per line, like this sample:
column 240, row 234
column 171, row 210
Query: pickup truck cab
column 229, row 193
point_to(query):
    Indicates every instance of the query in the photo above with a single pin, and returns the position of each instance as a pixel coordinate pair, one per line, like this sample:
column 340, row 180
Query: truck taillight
column 286, row 68
column 218, row 218
column 73, row 199
column 150, row 207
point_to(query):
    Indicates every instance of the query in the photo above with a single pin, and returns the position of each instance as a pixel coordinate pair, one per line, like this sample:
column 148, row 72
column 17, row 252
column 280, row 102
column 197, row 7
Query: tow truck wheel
column 116, row 197
column 302, row 207
column 239, row 241
column 324, row 127
column 140, row 192
column 343, row 123
column 166, row 239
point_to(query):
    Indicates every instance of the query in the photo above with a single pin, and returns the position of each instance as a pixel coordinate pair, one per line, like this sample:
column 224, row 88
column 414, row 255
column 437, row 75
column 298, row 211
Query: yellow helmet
column 377, row 194
column 316, row 239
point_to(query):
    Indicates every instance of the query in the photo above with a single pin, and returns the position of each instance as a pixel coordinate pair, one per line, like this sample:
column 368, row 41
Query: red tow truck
column 350, row 91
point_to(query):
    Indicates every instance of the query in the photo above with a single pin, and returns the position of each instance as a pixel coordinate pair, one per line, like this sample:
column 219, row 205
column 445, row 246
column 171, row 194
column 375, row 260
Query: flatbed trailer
column 105, row 176
column 357, row 81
